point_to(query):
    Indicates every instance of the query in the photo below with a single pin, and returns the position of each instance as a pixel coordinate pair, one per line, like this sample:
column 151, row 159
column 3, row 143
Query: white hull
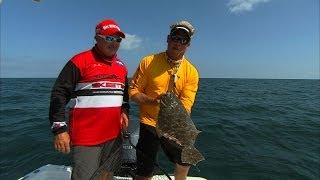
column 61, row 172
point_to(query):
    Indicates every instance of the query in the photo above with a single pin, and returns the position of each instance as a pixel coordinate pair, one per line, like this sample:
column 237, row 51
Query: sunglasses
column 177, row 39
column 111, row 39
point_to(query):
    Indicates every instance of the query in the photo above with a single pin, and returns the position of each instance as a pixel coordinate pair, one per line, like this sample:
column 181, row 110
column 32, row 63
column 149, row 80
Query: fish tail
column 191, row 156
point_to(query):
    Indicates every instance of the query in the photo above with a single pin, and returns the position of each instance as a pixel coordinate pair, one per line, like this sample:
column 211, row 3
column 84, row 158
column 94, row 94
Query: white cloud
column 238, row 6
column 130, row 42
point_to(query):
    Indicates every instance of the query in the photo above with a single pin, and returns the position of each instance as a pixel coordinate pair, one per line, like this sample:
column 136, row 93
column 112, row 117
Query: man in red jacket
column 93, row 86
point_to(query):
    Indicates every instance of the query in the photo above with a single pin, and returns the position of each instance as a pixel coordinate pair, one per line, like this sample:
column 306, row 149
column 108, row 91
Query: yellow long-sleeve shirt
column 153, row 78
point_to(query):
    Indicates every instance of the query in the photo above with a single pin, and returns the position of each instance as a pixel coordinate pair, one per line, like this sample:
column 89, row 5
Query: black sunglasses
column 182, row 41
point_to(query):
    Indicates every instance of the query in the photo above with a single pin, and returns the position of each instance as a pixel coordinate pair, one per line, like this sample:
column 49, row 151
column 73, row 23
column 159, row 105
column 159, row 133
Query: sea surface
column 251, row 129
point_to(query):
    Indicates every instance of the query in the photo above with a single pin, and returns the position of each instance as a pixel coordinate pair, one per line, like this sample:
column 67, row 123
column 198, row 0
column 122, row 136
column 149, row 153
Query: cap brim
column 181, row 28
column 122, row 34
column 110, row 32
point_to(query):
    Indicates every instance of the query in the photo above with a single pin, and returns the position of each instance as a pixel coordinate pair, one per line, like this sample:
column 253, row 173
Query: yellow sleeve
column 139, row 79
column 189, row 90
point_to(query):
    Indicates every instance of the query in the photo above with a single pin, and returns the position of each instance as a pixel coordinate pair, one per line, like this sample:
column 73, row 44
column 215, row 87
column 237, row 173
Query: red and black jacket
column 94, row 91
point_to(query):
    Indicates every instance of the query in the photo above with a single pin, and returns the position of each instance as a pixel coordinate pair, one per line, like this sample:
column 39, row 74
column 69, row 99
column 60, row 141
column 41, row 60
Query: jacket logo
column 107, row 76
column 97, row 65
column 107, row 85
column 120, row 63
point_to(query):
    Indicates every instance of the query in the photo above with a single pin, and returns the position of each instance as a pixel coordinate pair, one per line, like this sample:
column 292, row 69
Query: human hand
column 155, row 101
column 158, row 99
column 62, row 142
column 124, row 119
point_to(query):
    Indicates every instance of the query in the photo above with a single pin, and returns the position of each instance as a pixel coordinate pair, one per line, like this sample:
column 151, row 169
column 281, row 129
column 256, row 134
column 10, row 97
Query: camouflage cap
column 184, row 25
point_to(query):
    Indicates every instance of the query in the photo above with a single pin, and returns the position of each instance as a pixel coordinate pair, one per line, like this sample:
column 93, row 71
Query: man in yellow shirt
column 157, row 74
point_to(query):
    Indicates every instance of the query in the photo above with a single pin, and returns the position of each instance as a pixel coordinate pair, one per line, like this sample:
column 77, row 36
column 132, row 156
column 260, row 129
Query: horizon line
column 199, row 78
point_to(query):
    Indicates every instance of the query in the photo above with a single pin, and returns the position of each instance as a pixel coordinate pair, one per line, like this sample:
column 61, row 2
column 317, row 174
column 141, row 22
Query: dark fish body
column 174, row 123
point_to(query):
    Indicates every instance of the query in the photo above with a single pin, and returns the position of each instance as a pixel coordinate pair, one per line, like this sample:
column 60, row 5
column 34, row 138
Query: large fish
column 174, row 123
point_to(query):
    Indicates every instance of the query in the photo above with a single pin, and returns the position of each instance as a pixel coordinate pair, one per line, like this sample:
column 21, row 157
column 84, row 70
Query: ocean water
column 251, row 129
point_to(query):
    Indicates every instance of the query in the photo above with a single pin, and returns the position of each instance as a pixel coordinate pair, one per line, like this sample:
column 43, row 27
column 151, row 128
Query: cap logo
column 110, row 26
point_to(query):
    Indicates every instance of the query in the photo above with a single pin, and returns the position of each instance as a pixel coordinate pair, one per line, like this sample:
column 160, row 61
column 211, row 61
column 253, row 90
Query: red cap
column 109, row 27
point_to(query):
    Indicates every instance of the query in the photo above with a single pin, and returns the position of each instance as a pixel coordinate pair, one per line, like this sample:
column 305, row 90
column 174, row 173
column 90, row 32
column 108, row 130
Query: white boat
column 61, row 172
column 49, row 171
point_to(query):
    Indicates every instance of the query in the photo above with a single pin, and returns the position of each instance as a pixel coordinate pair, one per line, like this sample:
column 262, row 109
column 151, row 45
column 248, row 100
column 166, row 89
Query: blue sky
column 273, row 39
